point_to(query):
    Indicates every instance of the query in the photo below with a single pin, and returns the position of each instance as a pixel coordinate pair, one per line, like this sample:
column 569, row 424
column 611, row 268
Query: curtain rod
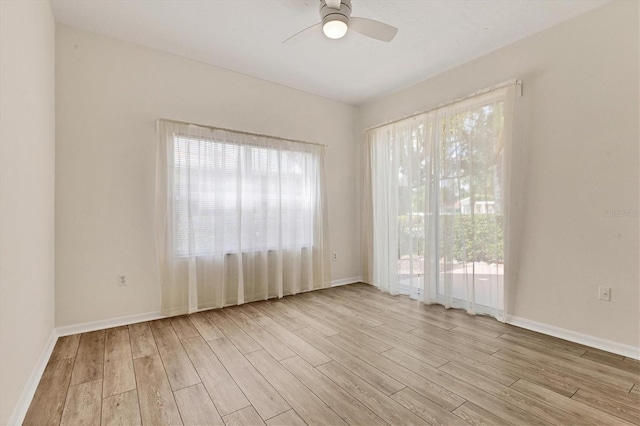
column 517, row 83
column 239, row 131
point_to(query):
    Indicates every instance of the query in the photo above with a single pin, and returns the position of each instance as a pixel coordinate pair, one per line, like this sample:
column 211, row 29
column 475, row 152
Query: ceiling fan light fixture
column 336, row 21
column 335, row 29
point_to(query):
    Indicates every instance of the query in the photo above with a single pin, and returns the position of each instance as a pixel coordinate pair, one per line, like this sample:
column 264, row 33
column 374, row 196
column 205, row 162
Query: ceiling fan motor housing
column 330, row 14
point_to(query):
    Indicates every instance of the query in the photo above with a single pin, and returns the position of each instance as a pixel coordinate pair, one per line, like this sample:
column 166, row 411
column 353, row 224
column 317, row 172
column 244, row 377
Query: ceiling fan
column 336, row 19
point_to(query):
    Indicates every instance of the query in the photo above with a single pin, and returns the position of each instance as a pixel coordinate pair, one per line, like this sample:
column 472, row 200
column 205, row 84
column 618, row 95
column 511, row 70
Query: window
column 231, row 198
column 239, row 217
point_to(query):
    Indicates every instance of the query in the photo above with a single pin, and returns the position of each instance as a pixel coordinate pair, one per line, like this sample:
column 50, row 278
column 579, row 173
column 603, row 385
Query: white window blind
column 230, row 198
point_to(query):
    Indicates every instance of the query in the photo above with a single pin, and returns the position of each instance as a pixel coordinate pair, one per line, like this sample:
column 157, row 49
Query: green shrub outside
column 477, row 238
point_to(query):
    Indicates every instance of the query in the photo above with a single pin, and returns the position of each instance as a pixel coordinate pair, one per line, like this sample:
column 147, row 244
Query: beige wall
column 27, row 150
column 108, row 95
column 575, row 156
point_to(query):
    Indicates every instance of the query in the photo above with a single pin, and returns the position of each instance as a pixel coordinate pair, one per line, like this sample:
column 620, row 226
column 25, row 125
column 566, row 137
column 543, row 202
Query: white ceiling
column 246, row 35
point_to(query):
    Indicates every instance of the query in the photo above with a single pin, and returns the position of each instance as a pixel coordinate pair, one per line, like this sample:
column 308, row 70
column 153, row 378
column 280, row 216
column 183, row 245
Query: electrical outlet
column 122, row 280
column 334, row 256
column 604, row 293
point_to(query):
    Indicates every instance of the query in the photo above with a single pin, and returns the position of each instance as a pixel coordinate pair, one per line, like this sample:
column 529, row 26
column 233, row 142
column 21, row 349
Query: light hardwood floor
column 346, row 355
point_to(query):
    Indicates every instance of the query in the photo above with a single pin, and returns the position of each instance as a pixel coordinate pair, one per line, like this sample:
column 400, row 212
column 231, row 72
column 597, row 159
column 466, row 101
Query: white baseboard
column 150, row 316
column 345, row 281
column 20, row 410
column 107, row 323
column 574, row 336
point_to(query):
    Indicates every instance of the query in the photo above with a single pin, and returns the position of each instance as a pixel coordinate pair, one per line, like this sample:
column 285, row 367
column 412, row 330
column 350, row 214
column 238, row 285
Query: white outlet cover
column 604, row 293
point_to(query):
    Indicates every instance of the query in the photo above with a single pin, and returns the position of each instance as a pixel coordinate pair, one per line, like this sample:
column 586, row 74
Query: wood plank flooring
column 345, row 355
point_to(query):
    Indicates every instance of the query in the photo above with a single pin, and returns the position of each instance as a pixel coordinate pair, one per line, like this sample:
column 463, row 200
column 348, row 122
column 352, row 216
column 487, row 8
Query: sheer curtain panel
column 436, row 199
column 239, row 217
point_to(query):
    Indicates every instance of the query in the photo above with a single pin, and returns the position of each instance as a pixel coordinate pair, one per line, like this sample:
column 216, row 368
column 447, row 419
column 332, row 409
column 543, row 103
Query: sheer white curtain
column 239, row 217
column 437, row 187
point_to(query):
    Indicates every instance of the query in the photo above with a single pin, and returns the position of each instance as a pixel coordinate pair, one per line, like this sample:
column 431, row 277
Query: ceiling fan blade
column 334, row 4
column 297, row 36
column 374, row 29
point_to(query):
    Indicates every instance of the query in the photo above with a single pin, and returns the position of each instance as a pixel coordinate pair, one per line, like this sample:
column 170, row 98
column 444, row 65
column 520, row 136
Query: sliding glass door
column 469, row 208
column 414, row 159
column 438, row 205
